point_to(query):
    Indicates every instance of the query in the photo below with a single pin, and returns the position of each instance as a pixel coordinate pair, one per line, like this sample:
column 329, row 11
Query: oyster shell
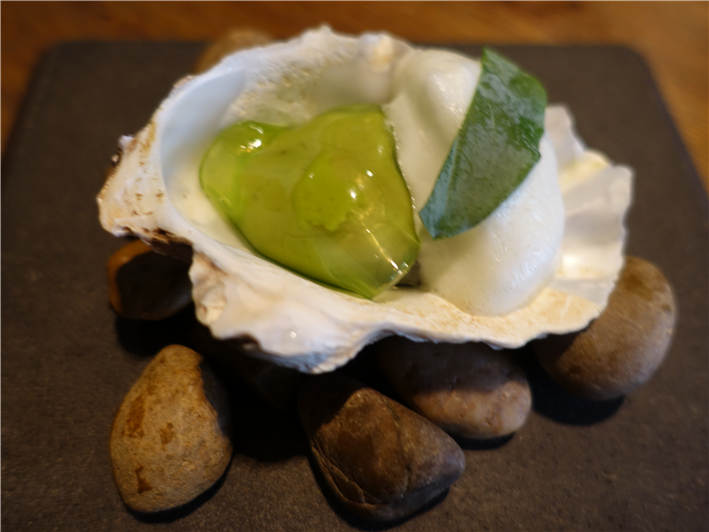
column 154, row 193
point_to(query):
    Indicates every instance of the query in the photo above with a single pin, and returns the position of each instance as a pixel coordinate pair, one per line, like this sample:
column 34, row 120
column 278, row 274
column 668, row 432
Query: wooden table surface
column 671, row 36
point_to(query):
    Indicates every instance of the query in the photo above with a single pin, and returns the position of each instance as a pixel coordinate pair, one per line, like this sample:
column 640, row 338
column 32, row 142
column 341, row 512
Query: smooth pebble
column 622, row 348
column 170, row 440
column 469, row 390
column 380, row 459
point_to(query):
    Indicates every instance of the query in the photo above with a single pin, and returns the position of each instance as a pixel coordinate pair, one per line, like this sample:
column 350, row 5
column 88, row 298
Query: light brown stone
column 170, row 439
column 469, row 390
column 379, row 458
column 621, row 349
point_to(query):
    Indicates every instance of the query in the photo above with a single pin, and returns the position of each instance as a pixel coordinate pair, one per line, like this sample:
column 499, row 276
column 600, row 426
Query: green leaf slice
column 495, row 149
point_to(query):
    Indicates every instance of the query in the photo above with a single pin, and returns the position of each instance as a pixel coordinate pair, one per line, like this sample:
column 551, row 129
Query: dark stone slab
column 67, row 362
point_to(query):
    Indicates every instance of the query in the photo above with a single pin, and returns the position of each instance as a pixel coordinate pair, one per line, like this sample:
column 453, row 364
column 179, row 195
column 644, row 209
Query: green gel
column 325, row 198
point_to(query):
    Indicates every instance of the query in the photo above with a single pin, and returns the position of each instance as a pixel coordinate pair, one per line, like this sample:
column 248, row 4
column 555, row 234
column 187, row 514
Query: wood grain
column 672, row 36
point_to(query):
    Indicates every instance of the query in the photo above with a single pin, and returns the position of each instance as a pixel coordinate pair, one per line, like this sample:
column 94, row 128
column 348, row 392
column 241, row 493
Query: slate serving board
column 67, row 361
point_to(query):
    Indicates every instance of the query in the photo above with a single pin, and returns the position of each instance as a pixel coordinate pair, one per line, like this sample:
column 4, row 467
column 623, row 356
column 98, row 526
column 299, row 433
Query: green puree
column 325, row 199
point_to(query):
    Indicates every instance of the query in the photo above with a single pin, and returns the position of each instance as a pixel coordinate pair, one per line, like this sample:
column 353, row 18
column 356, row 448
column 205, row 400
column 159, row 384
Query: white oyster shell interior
column 155, row 192
column 507, row 259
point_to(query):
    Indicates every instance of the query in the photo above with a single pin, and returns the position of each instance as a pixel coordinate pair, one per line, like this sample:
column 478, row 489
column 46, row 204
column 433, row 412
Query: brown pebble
column 381, row 460
column 232, row 41
column 469, row 390
column 622, row 348
column 118, row 259
column 146, row 285
column 170, row 440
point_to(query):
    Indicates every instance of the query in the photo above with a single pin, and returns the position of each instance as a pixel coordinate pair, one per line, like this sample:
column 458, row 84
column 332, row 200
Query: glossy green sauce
column 325, row 199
